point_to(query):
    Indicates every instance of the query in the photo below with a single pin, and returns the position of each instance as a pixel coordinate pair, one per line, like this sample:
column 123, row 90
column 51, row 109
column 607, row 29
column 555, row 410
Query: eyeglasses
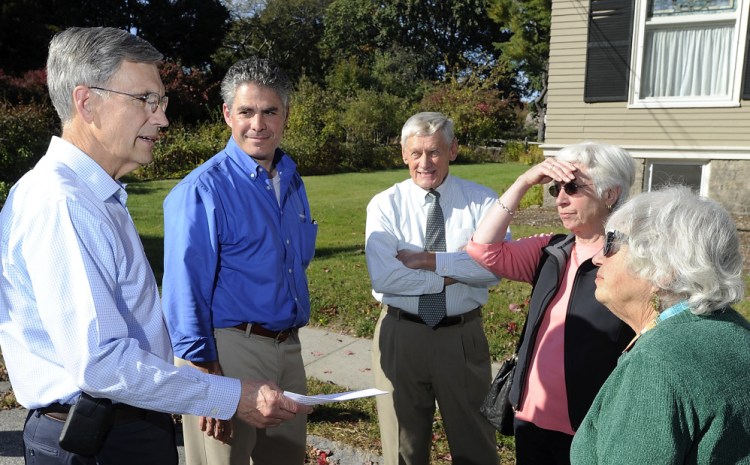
column 570, row 188
column 152, row 99
column 612, row 243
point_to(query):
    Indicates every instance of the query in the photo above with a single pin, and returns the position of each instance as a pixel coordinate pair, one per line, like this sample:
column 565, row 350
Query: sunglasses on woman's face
column 612, row 242
column 570, row 188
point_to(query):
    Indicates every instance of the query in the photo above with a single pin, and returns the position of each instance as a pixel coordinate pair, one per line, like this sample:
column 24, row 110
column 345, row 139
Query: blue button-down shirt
column 79, row 305
column 233, row 253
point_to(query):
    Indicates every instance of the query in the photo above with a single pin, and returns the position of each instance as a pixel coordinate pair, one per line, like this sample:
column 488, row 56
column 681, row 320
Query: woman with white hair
column 571, row 342
column 670, row 268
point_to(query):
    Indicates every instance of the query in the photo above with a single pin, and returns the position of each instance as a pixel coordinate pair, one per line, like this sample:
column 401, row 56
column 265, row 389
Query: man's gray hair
column 258, row 71
column 427, row 124
column 685, row 245
column 90, row 57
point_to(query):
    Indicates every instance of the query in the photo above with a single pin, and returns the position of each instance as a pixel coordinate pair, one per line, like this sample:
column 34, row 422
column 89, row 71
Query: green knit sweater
column 681, row 395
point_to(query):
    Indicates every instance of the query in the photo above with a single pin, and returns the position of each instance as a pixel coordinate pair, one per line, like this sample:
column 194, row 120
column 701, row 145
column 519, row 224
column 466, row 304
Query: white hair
column 685, row 245
column 426, row 124
column 608, row 166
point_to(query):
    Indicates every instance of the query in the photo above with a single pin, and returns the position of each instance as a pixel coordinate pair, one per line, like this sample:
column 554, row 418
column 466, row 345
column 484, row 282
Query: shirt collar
column 89, row 171
column 443, row 189
column 250, row 166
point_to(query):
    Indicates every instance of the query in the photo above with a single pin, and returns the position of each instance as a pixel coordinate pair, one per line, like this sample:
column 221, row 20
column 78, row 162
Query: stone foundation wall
column 730, row 184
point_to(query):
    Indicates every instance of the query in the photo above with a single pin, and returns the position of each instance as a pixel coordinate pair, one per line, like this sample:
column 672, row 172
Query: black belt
column 279, row 336
column 446, row 321
column 124, row 413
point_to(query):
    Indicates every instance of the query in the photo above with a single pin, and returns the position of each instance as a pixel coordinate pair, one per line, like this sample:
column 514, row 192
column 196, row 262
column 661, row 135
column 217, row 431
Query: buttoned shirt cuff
column 444, row 264
column 223, row 397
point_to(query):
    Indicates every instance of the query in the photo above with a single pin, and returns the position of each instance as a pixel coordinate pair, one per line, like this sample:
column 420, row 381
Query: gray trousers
column 419, row 366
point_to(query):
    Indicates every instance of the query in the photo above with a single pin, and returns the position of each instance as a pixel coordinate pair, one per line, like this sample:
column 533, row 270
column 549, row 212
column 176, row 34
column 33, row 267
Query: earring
column 655, row 302
column 609, row 207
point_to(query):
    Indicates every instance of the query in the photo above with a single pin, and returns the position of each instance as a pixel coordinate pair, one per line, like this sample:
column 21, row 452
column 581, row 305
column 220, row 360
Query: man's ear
column 83, row 103
column 227, row 112
column 454, row 149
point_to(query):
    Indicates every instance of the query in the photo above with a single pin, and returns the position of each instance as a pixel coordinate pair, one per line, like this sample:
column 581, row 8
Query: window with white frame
column 691, row 174
column 688, row 53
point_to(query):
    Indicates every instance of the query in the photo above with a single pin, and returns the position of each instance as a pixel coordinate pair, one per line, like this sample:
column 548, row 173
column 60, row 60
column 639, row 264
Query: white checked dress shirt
column 79, row 305
column 396, row 220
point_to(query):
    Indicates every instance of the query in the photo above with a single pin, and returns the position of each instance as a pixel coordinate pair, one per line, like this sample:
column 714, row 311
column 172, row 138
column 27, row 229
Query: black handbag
column 496, row 406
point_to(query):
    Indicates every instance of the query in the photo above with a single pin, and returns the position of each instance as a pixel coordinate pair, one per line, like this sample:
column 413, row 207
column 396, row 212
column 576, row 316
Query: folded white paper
column 326, row 398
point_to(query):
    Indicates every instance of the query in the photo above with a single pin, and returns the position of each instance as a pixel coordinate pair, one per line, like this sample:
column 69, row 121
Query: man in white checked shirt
column 429, row 342
column 79, row 305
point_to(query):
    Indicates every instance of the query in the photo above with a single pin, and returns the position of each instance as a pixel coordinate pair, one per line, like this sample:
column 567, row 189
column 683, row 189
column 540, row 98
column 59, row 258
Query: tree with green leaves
column 456, row 36
column 453, row 37
column 480, row 109
column 528, row 47
column 286, row 31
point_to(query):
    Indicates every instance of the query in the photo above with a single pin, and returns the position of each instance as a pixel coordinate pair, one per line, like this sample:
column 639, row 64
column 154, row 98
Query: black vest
column 594, row 337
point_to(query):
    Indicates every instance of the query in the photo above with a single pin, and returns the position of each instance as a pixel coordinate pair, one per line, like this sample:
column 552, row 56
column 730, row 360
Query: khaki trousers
column 419, row 366
column 249, row 356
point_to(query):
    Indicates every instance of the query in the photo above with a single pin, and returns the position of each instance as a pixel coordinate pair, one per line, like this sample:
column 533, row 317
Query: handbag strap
column 523, row 333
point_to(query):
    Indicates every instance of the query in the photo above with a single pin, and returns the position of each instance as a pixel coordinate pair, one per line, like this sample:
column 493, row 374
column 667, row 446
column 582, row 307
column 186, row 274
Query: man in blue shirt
column 238, row 237
column 79, row 306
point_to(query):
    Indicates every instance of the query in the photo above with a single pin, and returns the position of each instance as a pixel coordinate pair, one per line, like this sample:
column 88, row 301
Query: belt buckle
column 283, row 335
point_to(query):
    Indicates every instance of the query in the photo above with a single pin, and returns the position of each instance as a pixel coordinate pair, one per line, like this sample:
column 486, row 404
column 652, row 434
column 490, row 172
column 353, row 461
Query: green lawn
column 339, row 283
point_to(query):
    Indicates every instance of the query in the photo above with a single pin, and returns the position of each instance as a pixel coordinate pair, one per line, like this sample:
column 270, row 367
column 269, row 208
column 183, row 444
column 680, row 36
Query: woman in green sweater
column 670, row 269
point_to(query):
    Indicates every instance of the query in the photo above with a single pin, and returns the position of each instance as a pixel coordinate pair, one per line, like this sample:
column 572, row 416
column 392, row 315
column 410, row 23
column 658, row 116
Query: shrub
column 312, row 134
column 479, row 110
column 374, row 117
column 361, row 157
column 532, row 156
column 522, row 152
column 31, row 87
column 533, row 197
column 182, row 148
column 191, row 93
column 513, row 150
column 25, row 132
column 470, row 154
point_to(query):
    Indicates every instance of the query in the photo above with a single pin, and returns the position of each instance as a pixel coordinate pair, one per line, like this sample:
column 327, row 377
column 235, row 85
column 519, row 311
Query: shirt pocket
column 309, row 234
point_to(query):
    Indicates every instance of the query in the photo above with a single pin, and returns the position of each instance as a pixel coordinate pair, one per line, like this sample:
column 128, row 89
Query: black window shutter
column 608, row 50
column 746, row 87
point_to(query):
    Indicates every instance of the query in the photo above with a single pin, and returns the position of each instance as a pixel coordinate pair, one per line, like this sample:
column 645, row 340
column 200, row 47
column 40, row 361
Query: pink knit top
column 544, row 400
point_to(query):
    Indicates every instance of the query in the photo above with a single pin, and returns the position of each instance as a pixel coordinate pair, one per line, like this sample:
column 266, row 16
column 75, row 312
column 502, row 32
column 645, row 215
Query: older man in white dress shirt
column 429, row 342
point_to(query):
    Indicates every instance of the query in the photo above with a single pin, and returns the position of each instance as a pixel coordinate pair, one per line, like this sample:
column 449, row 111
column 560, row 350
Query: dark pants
column 150, row 441
column 535, row 446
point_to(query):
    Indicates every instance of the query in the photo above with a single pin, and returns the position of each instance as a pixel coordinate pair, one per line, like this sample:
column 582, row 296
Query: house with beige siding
column 669, row 80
